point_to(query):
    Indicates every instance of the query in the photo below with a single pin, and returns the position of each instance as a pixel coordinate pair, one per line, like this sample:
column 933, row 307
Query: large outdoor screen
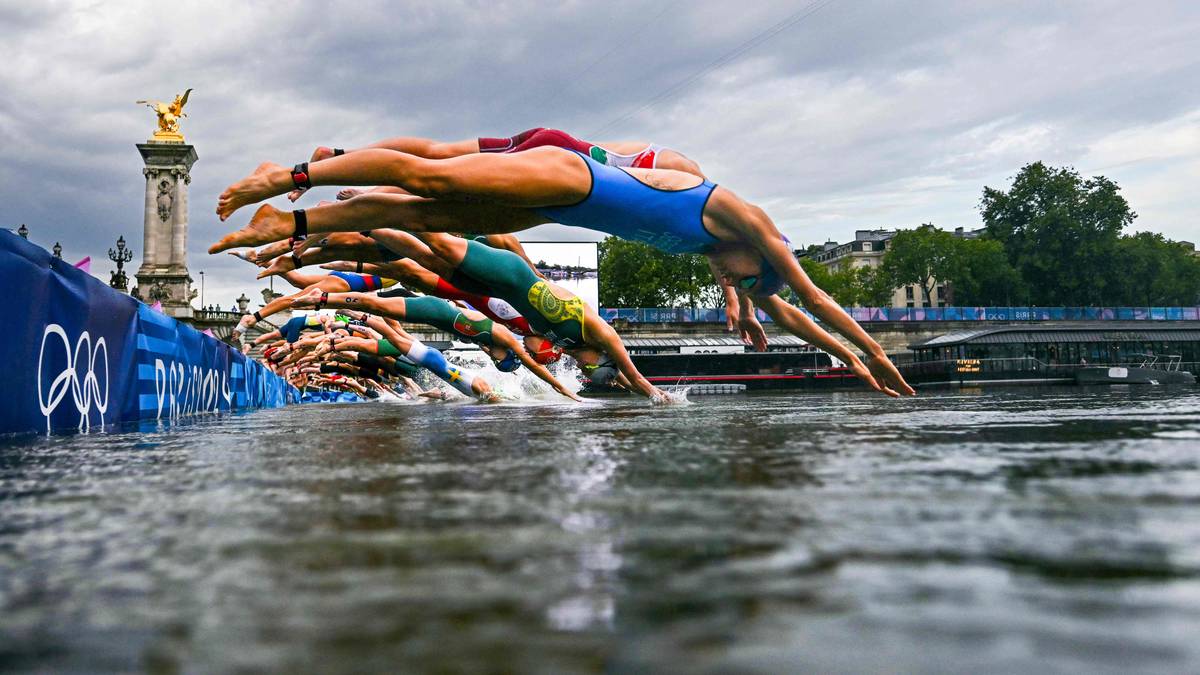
column 571, row 265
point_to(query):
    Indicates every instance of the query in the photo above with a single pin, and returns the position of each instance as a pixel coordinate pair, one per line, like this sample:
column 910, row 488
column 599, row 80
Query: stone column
column 182, row 179
column 164, row 269
column 150, row 235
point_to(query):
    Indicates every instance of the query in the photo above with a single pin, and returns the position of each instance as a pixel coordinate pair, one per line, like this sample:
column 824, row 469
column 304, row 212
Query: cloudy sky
column 834, row 115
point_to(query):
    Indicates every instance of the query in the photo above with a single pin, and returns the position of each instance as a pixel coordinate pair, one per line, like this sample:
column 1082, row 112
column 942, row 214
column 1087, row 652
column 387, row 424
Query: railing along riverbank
column 998, row 370
column 888, row 314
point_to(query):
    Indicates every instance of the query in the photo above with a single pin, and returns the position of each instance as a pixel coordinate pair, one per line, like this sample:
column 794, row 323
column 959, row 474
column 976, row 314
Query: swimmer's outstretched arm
column 760, row 232
column 799, row 324
column 601, row 336
column 732, row 305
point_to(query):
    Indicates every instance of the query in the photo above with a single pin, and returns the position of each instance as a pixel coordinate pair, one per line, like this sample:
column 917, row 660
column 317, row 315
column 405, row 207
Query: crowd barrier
column 869, row 314
column 79, row 355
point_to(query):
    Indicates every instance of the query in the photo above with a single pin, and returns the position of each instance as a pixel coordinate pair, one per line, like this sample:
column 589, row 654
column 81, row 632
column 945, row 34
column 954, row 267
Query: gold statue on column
column 168, row 118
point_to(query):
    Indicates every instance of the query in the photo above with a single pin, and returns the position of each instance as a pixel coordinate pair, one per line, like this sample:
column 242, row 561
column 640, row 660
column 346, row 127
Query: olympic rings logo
column 84, row 391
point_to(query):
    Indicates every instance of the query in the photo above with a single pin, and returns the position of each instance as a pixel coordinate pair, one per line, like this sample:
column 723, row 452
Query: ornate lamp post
column 57, row 250
column 242, row 303
column 23, row 231
column 121, row 255
column 202, row 289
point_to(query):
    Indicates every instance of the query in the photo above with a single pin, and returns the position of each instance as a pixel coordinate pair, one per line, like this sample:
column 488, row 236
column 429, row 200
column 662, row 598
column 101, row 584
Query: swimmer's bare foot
column 264, row 255
column 280, row 265
column 319, row 154
column 244, row 324
column 267, row 181
column 309, row 298
column 341, row 266
column 348, row 193
column 434, row 394
column 249, row 255
column 268, row 224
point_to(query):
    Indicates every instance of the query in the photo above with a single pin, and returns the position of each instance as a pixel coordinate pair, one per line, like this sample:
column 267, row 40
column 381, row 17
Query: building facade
column 867, row 250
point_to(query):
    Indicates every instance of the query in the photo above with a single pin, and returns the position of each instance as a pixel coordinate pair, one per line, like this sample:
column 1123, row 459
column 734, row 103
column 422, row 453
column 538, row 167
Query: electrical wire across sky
column 730, row 56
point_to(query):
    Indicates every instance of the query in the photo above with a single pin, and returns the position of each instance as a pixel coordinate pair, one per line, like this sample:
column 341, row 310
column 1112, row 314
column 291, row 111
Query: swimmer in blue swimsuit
column 499, row 193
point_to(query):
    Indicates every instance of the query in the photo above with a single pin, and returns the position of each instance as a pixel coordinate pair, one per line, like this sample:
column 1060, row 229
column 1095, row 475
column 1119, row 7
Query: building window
column 866, row 246
column 910, row 303
column 908, row 295
column 941, row 292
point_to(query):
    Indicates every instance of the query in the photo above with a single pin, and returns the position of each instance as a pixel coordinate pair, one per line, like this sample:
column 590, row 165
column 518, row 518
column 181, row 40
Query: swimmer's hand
column 661, row 397
column 753, row 333
column 888, row 377
column 490, row 397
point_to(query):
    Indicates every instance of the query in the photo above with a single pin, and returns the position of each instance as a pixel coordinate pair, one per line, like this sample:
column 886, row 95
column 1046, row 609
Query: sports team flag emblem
column 464, row 327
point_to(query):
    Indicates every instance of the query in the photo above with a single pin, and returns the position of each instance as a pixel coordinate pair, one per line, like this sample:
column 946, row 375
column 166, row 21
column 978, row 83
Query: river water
column 1007, row 530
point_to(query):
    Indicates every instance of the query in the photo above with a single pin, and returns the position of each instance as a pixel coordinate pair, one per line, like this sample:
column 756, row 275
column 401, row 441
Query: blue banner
column 869, row 314
column 82, row 356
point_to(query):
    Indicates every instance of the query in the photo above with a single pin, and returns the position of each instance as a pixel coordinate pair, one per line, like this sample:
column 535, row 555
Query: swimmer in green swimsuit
column 504, row 348
column 551, row 310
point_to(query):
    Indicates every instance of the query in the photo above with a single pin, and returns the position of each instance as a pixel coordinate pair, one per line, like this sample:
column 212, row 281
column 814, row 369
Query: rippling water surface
column 1018, row 530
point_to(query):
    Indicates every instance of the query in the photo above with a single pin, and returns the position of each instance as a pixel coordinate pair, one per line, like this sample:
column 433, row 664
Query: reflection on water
column 1011, row 530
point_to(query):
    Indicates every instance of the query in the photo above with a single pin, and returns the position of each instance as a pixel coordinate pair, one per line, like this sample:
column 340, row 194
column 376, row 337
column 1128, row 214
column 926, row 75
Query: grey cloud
column 863, row 114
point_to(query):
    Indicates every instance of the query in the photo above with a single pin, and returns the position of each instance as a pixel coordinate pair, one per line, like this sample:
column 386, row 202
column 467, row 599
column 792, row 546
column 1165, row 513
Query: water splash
column 518, row 386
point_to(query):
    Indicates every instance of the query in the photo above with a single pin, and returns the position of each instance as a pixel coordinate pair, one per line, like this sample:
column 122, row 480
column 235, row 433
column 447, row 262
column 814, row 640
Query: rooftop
column 1101, row 331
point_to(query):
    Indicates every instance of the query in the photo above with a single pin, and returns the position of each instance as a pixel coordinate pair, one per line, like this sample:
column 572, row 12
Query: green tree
column 921, row 257
column 629, row 274
column 981, row 275
column 1156, row 271
column 633, row 274
column 1060, row 232
column 875, row 287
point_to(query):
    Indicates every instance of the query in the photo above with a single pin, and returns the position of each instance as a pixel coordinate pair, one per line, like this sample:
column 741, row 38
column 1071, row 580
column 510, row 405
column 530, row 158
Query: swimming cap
column 509, row 363
column 769, row 280
column 545, row 352
column 604, row 374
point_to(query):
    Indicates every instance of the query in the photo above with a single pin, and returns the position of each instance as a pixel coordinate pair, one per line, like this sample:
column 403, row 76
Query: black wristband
column 338, row 151
column 301, row 224
column 358, row 268
column 300, row 176
column 257, row 315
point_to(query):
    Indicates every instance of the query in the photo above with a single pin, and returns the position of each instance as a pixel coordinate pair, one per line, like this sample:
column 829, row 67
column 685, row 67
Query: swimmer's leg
column 318, row 283
column 462, row 380
column 374, row 211
column 538, row 177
